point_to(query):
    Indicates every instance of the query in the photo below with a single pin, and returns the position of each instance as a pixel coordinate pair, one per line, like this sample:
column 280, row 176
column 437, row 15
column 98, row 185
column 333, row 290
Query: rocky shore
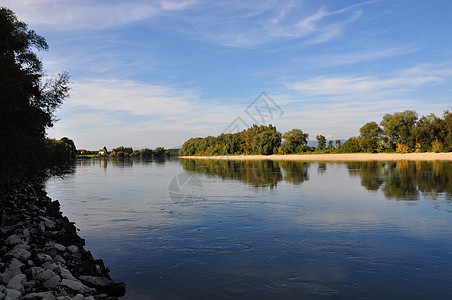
column 41, row 254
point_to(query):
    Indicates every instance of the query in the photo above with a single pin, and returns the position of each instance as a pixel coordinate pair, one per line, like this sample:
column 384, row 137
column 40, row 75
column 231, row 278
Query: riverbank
column 335, row 157
column 41, row 254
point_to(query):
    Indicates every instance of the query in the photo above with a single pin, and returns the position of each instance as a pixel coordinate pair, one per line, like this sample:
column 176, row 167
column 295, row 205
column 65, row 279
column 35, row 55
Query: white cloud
column 64, row 15
column 347, row 85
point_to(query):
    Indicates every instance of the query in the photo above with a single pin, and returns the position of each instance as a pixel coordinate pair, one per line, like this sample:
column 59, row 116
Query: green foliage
column 321, row 142
column 399, row 128
column 159, row 152
column 351, row 145
column 293, row 141
column 437, row 146
column 369, row 138
column 267, row 143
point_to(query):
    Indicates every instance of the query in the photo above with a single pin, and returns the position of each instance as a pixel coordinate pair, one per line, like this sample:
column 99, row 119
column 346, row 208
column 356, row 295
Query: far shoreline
column 428, row 156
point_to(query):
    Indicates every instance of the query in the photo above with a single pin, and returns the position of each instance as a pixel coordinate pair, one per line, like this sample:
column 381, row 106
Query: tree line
column 399, row 132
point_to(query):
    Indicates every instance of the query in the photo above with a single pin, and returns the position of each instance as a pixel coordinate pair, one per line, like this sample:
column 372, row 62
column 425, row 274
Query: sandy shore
column 335, row 157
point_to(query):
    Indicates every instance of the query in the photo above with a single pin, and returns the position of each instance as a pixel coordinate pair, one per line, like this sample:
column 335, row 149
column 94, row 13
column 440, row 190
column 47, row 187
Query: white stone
column 52, row 282
column 18, row 283
column 73, row 248
column 13, row 294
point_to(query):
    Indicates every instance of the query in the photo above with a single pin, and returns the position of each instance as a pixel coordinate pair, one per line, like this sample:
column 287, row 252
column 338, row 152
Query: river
column 202, row 229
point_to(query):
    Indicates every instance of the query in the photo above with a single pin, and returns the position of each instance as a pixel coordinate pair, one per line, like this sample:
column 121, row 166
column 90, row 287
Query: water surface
column 265, row 229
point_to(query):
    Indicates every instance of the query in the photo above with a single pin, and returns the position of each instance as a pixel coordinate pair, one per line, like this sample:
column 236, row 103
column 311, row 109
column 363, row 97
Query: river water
column 203, row 229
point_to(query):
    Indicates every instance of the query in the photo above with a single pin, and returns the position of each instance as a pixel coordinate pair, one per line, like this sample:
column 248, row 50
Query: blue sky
column 155, row 73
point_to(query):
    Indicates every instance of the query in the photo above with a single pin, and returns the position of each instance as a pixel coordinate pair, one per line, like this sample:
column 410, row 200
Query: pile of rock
column 41, row 255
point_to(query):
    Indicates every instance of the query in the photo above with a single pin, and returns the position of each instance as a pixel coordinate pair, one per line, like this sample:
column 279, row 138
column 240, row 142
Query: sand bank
column 335, row 157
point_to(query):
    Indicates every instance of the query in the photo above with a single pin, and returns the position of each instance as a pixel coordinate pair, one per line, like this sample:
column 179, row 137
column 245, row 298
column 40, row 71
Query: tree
column 27, row 100
column 293, row 139
column 159, row 152
column 321, row 142
column 370, row 135
column 428, row 129
column 399, row 128
column 248, row 135
column 267, row 143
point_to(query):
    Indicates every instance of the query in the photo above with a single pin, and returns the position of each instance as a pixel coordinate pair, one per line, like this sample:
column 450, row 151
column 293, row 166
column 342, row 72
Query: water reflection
column 400, row 180
column 405, row 180
column 267, row 230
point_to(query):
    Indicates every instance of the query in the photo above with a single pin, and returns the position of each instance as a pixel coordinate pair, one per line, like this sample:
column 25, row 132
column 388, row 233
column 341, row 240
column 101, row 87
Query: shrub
column 402, row 148
column 437, row 146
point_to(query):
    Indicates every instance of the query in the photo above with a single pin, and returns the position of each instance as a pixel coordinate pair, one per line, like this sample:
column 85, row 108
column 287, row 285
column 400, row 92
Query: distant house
column 81, row 151
column 103, row 151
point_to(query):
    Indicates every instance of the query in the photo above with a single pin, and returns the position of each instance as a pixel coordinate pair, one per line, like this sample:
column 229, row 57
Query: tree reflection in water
column 405, row 180
column 399, row 180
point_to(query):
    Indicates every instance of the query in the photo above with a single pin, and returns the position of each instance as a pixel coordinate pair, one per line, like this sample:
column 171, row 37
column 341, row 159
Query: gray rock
column 13, row 240
column 18, row 283
column 2, row 296
column 78, row 297
column 59, row 259
column 21, row 254
column 12, row 270
column 13, row 294
column 76, row 286
column 39, row 296
column 50, row 266
column 47, row 222
column 2, row 288
column 41, row 227
column 65, row 273
column 72, row 248
column 42, row 258
column 41, row 274
column 97, row 281
column 63, row 298
column 59, row 247
column 89, row 298
column 52, row 282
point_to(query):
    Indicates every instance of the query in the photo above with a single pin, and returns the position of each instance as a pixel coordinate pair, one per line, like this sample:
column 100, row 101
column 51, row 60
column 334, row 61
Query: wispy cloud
column 274, row 21
column 349, row 58
column 348, row 85
column 67, row 15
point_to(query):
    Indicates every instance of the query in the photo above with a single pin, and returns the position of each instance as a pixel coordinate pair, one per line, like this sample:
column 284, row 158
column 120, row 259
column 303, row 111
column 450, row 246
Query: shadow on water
column 399, row 180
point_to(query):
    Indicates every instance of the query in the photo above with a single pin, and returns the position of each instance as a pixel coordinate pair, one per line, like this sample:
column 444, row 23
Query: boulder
column 52, row 282
column 18, row 283
column 39, row 296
